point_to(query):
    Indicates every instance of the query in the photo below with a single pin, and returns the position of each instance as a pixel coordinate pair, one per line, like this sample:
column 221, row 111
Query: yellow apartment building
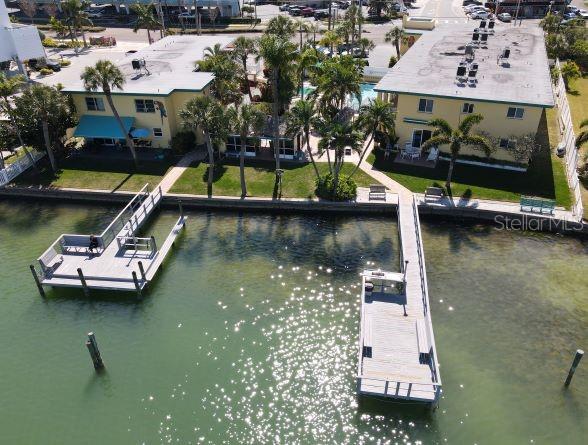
column 159, row 80
column 500, row 73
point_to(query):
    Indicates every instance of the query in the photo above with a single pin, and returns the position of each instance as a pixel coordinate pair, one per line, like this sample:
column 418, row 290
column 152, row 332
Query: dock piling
column 181, row 208
column 83, row 281
column 92, row 346
column 154, row 246
column 142, row 270
column 137, row 286
column 577, row 358
column 37, row 282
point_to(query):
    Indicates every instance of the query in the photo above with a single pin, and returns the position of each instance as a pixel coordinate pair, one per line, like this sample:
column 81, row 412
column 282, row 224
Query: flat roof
column 429, row 67
column 170, row 62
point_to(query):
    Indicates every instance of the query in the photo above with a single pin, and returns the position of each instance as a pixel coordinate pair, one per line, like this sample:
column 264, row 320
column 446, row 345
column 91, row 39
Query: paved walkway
column 175, row 172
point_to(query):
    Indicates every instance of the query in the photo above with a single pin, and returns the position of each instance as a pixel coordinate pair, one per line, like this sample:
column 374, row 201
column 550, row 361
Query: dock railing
column 396, row 386
column 425, row 294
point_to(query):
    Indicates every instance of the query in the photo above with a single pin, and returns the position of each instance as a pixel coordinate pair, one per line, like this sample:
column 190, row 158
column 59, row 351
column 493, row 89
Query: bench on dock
column 422, row 340
column 537, row 205
column 77, row 244
column 377, row 193
column 367, row 339
column 435, row 193
column 46, row 259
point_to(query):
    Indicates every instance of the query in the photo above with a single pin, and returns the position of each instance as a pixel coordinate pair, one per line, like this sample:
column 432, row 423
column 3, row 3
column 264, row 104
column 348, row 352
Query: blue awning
column 141, row 133
column 91, row 126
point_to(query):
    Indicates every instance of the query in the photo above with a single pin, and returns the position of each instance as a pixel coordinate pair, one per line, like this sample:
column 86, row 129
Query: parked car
column 343, row 5
column 307, row 12
column 504, row 17
column 483, row 15
column 321, row 14
column 95, row 13
column 399, row 8
column 471, row 2
column 572, row 8
column 284, row 7
column 186, row 15
column 582, row 13
column 472, row 8
column 570, row 16
column 295, row 11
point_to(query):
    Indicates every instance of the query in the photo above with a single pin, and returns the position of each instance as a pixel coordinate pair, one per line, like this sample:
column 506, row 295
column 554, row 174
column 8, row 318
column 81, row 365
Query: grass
column 578, row 100
column 102, row 174
column 298, row 180
column 545, row 177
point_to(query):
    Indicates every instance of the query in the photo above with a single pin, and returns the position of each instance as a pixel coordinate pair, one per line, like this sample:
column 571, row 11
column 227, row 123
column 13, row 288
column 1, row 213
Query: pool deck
column 397, row 352
column 122, row 262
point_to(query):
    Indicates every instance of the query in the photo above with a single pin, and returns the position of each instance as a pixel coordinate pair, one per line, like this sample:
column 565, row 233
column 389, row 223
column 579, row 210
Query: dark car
column 321, row 14
column 307, row 12
column 471, row 2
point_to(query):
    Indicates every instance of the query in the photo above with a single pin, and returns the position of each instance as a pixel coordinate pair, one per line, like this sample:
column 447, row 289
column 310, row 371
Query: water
column 249, row 336
column 367, row 94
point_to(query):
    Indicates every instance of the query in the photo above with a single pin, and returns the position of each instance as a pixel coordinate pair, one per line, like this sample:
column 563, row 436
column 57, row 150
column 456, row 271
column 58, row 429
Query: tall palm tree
column 247, row 121
column 105, row 75
column 76, row 16
column 455, row 138
column 330, row 39
column 203, row 113
column 303, row 26
column 377, row 115
column 9, row 87
column 338, row 79
column 300, row 119
column 279, row 56
column 306, row 63
column 243, row 48
column 395, row 35
column 45, row 100
column 582, row 138
column 340, row 135
column 281, row 26
column 145, row 19
column 213, row 51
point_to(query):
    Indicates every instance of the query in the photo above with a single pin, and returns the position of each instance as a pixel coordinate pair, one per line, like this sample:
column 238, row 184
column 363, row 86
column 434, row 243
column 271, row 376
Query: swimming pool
column 367, row 94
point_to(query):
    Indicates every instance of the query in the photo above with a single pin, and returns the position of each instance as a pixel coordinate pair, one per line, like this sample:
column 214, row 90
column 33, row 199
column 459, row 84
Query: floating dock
column 397, row 353
column 121, row 261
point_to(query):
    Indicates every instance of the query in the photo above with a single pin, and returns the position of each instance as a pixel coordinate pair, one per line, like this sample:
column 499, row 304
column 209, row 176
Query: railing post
column 37, row 282
column 92, row 346
column 386, row 388
column 142, row 270
column 83, row 281
column 397, row 388
column 409, row 389
column 137, row 286
column 153, row 245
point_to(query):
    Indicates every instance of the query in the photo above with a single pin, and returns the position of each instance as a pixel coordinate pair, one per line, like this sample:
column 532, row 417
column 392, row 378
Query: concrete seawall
column 503, row 219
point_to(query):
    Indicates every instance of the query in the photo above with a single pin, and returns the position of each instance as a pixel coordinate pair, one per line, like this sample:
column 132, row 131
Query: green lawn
column 102, row 174
column 298, row 180
column 578, row 99
column 545, row 177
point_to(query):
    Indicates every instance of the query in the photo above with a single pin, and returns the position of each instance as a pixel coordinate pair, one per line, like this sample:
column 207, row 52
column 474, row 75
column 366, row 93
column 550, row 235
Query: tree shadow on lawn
column 536, row 181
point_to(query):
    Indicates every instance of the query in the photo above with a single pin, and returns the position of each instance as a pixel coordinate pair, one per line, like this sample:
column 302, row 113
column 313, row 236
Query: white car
column 483, row 15
column 472, row 8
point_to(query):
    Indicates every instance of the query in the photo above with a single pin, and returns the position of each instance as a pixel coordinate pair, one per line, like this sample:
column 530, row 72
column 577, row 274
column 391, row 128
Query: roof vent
column 139, row 65
column 484, row 38
column 483, row 24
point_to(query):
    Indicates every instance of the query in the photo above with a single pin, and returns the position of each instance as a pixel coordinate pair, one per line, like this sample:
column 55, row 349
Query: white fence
column 567, row 136
column 16, row 168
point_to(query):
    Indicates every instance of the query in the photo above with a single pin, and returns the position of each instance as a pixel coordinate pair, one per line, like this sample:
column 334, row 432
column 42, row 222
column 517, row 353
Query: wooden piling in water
column 142, row 270
column 181, row 208
column 37, row 281
column 137, row 286
column 92, row 346
column 83, row 281
column 577, row 358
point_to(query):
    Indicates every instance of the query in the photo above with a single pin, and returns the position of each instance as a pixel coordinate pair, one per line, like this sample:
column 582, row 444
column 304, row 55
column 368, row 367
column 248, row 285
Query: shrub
column 49, row 43
column 392, row 61
column 46, row 71
column 346, row 189
column 65, row 62
column 183, row 142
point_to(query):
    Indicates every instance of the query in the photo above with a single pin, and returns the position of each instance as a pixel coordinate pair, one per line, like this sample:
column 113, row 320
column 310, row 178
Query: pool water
column 249, row 335
column 367, row 94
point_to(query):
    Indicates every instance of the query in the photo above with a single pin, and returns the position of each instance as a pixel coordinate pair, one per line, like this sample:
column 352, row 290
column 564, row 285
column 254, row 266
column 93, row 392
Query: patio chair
column 433, row 154
column 415, row 155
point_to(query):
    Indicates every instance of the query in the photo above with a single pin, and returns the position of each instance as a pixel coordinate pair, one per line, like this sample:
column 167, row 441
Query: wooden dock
column 397, row 353
column 122, row 260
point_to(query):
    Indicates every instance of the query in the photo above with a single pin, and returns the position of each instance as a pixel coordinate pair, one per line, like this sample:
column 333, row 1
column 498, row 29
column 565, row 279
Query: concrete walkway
column 175, row 172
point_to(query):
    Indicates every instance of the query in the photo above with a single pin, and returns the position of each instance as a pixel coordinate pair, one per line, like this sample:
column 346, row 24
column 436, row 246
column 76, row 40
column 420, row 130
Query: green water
column 249, row 336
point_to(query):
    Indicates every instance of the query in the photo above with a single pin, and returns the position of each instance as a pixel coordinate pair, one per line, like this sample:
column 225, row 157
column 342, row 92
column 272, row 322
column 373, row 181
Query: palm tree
column 226, row 85
column 300, row 119
column 582, row 138
column 213, row 51
column 306, row 62
column 247, row 120
column 145, row 19
column 76, row 16
column 45, row 99
column 330, row 39
column 338, row 79
column 455, row 138
column 9, row 87
column 339, row 136
column 243, row 48
column 106, row 75
column 281, row 26
column 365, row 45
column 279, row 56
column 203, row 113
column 395, row 35
column 377, row 115
column 303, row 26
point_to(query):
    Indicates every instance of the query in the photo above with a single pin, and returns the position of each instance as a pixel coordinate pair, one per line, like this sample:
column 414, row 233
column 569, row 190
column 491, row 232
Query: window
column 425, row 106
column 467, row 108
column 507, row 143
column 94, row 104
column 420, row 136
column 144, row 106
column 515, row 113
column 158, row 132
